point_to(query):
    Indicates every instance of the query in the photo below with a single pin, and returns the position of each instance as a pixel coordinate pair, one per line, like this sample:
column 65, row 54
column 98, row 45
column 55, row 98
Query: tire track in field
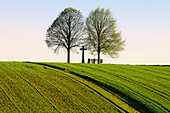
column 103, row 85
column 45, row 81
column 131, row 80
column 17, row 93
column 136, row 71
column 60, row 91
column 159, row 84
column 165, row 69
column 111, row 88
column 151, row 70
column 154, row 90
column 55, row 67
column 94, row 91
column 127, row 79
column 9, row 98
column 141, row 72
column 35, row 89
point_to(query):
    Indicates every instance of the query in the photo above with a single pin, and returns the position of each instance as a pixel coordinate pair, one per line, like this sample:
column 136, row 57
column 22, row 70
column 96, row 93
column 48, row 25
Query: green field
column 61, row 87
column 27, row 87
column 146, row 88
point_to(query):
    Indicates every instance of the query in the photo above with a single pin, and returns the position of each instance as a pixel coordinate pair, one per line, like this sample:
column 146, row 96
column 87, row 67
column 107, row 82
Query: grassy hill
column 28, row 87
column 60, row 87
column 146, row 88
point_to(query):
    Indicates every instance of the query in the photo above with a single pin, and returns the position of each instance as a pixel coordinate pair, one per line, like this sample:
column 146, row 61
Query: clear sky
column 145, row 24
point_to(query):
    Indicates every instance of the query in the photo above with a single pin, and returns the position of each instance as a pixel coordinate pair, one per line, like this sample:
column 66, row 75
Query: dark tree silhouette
column 102, row 34
column 66, row 31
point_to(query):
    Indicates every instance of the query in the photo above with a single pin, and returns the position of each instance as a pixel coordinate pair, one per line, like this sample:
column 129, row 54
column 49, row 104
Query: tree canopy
column 103, row 37
column 66, row 31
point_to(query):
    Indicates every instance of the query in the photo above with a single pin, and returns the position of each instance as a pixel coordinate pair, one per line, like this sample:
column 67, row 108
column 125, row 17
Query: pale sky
column 145, row 24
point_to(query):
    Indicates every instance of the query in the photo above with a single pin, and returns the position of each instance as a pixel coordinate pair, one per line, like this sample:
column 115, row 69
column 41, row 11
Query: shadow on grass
column 135, row 104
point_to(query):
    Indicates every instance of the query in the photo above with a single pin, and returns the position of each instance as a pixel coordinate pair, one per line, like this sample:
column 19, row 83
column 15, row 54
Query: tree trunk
column 98, row 55
column 98, row 49
column 68, row 55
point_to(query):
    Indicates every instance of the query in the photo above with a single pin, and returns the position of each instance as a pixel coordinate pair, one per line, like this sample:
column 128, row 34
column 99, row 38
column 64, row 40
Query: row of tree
column 98, row 33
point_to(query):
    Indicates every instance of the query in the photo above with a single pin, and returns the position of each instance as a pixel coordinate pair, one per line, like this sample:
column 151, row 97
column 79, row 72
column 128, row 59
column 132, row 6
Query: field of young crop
column 145, row 88
column 37, row 87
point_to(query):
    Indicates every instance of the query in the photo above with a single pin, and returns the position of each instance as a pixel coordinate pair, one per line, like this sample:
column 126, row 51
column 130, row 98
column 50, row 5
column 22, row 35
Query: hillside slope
column 28, row 87
column 146, row 88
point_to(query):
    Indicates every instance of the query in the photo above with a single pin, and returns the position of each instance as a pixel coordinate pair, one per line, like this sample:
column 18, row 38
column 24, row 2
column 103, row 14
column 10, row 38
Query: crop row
column 144, row 87
column 33, row 88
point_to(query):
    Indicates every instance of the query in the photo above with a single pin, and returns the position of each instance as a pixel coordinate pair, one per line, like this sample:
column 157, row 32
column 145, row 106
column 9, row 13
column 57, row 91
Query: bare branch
column 66, row 31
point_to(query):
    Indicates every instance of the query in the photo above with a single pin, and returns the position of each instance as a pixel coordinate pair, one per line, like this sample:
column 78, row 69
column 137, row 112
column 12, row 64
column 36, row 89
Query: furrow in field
column 79, row 104
column 24, row 95
column 88, row 87
column 151, row 79
column 34, row 70
column 96, row 92
column 164, row 69
column 138, row 79
column 12, row 90
column 32, row 85
column 160, row 70
column 7, row 99
column 27, row 84
column 148, row 73
column 141, row 96
column 161, row 96
column 101, row 84
column 155, row 72
column 46, row 82
column 155, row 82
column 157, row 92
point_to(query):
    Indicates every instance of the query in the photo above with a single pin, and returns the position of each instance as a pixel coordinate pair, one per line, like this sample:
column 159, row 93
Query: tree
column 103, row 36
column 66, row 31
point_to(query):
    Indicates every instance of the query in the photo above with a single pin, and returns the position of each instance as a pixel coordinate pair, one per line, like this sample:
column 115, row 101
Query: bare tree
column 66, row 31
